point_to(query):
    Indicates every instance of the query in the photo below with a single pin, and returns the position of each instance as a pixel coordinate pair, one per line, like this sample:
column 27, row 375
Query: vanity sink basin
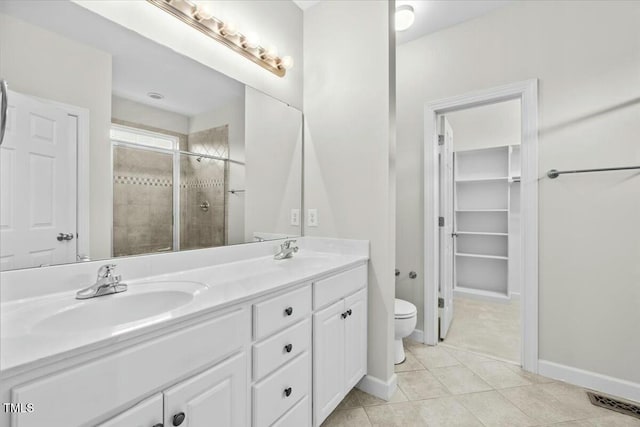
column 142, row 303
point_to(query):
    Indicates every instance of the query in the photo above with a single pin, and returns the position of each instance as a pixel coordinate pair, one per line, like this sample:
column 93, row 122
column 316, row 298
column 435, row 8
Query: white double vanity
column 226, row 336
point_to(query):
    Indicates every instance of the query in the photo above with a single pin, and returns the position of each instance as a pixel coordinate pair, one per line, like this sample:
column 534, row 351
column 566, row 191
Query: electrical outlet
column 295, row 216
column 312, row 217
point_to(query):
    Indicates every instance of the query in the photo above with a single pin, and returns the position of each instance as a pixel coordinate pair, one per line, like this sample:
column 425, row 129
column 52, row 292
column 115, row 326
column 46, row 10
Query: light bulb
column 271, row 52
column 286, row 62
column 251, row 41
column 203, row 12
column 229, row 28
column 404, row 17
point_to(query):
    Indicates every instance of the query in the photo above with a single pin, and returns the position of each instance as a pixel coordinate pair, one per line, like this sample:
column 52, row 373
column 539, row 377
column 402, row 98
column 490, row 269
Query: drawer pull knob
column 287, row 391
column 288, row 311
column 178, row 418
column 344, row 315
column 288, row 348
column 349, row 312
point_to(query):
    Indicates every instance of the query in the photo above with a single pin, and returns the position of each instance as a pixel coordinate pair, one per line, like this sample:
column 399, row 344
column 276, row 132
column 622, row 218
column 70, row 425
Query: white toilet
column 406, row 315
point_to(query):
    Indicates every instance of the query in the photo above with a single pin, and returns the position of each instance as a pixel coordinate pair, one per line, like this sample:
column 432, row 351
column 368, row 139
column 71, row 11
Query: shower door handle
column 3, row 109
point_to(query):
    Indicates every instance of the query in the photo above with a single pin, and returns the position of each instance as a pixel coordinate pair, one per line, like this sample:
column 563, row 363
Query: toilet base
column 399, row 355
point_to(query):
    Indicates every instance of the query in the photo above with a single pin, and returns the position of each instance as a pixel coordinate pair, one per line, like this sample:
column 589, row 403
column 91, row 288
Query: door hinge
column 440, row 221
column 440, row 139
column 440, row 302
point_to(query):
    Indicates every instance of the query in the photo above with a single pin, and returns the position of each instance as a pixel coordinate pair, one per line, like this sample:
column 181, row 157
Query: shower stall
column 169, row 189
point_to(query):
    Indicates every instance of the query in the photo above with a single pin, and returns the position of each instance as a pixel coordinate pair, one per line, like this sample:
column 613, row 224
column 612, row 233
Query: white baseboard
column 378, row 388
column 609, row 385
column 515, row 296
column 417, row 335
column 480, row 295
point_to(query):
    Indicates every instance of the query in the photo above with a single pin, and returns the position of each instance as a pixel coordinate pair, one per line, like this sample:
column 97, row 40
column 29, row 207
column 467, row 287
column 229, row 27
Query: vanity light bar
column 200, row 17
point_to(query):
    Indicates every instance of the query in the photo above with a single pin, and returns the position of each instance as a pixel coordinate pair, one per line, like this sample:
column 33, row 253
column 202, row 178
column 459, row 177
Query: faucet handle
column 287, row 244
column 106, row 270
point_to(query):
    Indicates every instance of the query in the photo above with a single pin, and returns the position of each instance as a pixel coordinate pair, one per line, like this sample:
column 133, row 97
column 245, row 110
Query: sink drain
column 614, row 404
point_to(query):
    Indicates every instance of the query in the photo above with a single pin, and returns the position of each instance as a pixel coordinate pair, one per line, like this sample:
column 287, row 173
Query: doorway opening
column 481, row 253
column 479, row 168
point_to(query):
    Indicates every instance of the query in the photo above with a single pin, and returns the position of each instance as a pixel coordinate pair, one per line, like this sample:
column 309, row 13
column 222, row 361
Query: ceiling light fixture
column 199, row 16
column 405, row 16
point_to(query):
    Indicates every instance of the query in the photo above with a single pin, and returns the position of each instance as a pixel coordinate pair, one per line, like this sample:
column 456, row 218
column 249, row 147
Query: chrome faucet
column 106, row 284
column 287, row 250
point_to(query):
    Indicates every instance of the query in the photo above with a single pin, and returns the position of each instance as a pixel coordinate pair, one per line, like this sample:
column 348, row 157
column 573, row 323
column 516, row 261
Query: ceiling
column 434, row 15
column 139, row 65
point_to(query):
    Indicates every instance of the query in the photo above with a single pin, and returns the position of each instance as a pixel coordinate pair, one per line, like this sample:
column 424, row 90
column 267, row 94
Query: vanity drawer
column 299, row 415
column 270, row 400
column 279, row 312
column 83, row 394
column 281, row 348
column 333, row 288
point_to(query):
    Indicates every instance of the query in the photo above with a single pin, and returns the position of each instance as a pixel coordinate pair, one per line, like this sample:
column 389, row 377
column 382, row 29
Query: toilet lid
column 404, row 309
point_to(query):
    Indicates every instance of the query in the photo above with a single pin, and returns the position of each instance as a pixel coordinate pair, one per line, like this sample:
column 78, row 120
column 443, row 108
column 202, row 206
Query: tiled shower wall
column 143, row 196
column 142, row 201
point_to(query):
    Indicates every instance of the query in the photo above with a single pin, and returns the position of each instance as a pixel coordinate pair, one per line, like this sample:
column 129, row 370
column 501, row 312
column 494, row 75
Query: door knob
column 178, row 418
column 64, row 236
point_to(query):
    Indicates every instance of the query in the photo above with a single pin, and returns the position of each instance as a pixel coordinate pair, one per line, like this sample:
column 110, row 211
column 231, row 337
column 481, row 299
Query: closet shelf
column 488, row 179
column 481, row 256
column 482, row 233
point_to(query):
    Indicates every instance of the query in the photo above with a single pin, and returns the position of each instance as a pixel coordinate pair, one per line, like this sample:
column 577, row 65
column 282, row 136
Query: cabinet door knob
column 288, row 311
column 178, row 418
column 349, row 312
column 344, row 315
column 288, row 348
column 287, row 391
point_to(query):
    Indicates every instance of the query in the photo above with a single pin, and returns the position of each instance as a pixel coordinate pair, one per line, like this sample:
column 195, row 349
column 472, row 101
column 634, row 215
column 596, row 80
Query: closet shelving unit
column 485, row 184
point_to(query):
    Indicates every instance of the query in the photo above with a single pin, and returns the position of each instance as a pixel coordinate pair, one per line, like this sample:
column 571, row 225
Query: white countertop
column 22, row 346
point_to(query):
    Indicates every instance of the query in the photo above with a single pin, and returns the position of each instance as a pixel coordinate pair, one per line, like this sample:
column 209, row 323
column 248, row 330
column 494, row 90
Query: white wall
column 231, row 114
column 349, row 148
column 492, row 125
column 31, row 64
column 587, row 57
column 273, row 173
column 277, row 22
column 132, row 111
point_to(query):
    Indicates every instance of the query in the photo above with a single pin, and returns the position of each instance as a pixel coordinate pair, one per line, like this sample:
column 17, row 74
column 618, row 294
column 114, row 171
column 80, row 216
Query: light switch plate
column 295, row 216
column 312, row 217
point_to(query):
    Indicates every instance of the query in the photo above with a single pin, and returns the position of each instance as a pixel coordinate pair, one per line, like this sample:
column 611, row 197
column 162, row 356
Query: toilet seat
column 404, row 309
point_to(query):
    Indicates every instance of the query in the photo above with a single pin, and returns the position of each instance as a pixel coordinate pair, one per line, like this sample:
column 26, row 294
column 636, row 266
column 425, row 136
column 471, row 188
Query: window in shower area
column 169, row 189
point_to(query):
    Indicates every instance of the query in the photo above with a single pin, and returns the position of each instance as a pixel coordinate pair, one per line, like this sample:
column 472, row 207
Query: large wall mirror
column 116, row 145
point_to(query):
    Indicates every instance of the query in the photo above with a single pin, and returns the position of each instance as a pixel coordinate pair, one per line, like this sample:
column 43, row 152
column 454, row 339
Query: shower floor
column 491, row 328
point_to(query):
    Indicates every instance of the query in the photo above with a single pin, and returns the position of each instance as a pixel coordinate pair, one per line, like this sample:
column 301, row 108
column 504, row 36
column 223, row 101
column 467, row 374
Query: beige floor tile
column 610, row 421
column 575, row 399
column 540, row 405
column 460, row 379
column 410, row 364
column 466, row 357
column 357, row 398
column 418, row 385
column 446, row 412
column 486, row 327
column 499, row 375
column 347, row 418
column 434, row 357
column 395, row 415
column 494, row 410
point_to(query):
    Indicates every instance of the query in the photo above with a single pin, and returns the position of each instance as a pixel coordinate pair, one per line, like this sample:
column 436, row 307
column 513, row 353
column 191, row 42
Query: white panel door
column 355, row 338
column 328, row 360
column 447, row 244
column 37, row 185
column 218, row 396
column 147, row 413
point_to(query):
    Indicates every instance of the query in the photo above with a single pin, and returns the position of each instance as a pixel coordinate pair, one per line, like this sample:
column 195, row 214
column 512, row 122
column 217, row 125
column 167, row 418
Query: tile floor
column 486, row 327
column 440, row 387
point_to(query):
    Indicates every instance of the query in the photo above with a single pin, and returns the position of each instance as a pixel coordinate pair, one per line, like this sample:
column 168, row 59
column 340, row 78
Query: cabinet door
column 218, row 396
column 147, row 413
column 355, row 338
column 328, row 360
